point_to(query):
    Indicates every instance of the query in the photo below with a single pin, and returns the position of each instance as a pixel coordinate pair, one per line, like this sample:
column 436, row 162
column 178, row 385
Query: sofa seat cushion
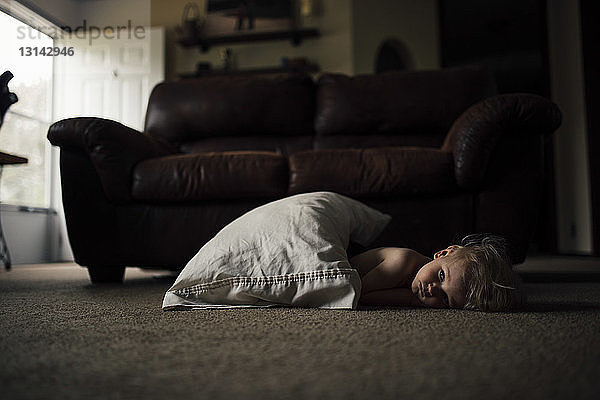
column 373, row 172
column 211, row 176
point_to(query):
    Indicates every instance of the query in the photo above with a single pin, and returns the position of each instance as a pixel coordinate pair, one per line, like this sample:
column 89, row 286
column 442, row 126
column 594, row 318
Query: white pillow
column 291, row 252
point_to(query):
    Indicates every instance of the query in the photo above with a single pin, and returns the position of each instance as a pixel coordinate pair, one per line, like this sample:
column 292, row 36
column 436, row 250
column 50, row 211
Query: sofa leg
column 99, row 274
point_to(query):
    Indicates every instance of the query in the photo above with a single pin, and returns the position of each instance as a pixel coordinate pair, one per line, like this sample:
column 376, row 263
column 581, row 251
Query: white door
column 109, row 77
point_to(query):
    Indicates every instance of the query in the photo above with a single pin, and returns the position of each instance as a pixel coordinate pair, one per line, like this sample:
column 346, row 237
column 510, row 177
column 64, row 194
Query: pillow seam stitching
column 267, row 280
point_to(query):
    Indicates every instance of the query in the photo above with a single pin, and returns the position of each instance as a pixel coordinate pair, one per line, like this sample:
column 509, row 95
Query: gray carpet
column 62, row 338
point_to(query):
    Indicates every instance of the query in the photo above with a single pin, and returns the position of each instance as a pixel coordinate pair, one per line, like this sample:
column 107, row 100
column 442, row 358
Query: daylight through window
column 26, row 123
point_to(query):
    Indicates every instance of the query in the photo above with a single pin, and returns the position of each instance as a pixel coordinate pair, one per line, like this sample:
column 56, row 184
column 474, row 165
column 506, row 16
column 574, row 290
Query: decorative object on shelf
column 225, row 17
column 191, row 22
column 290, row 66
column 306, row 9
column 226, row 57
column 295, row 35
column 247, row 10
column 294, row 63
column 393, row 55
column 203, row 68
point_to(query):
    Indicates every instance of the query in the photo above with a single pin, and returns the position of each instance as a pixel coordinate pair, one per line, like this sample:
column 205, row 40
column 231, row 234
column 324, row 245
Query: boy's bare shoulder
column 401, row 253
column 391, row 253
column 397, row 257
column 405, row 256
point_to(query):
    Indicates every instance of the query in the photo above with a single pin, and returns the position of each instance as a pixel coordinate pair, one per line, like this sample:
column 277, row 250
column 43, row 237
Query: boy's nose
column 431, row 289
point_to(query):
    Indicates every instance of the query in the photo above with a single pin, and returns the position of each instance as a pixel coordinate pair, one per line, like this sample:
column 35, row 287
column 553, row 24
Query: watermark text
column 83, row 31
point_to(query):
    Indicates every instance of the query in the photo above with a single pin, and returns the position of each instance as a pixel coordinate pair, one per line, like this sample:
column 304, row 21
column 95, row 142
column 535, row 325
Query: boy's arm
column 390, row 297
column 387, row 267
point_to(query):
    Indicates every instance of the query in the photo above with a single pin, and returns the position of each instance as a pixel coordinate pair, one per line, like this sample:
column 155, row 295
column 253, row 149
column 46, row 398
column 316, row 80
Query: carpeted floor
column 62, row 338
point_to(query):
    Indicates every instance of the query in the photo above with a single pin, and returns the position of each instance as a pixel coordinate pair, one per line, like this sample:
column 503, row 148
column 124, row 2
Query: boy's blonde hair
column 490, row 283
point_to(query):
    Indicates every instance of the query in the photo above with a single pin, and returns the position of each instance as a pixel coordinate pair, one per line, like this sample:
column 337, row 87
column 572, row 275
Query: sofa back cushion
column 194, row 110
column 397, row 108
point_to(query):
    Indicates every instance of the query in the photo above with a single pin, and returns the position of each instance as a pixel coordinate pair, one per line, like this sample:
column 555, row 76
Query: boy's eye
column 442, row 275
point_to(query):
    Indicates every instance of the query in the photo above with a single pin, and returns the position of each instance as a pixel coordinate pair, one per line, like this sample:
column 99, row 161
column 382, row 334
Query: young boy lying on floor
column 475, row 275
column 293, row 252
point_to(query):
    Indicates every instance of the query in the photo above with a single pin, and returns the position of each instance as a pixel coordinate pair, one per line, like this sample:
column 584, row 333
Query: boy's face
column 439, row 283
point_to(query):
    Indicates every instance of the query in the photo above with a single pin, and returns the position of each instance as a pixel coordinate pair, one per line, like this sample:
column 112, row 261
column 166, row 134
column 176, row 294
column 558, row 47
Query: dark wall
column 590, row 34
column 510, row 37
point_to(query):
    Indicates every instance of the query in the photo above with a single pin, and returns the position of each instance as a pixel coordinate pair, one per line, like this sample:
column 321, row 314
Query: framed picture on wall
column 226, row 17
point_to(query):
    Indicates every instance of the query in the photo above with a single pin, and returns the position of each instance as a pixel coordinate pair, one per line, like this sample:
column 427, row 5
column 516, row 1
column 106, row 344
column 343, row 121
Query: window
column 26, row 123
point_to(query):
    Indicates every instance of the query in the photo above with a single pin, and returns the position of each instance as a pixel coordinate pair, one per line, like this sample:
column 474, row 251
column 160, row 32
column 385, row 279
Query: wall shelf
column 295, row 35
column 309, row 68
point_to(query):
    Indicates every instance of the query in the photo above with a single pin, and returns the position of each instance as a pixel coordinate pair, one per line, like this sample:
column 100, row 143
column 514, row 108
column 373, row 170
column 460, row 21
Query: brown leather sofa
column 431, row 148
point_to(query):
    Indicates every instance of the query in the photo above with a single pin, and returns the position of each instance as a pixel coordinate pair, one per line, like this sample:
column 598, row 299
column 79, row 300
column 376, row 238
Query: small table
column 7, row 159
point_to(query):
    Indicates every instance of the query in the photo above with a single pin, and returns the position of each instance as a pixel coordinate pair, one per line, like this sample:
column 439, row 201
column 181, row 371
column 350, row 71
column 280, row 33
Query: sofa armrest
column 113, row 148
column 474, row 135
